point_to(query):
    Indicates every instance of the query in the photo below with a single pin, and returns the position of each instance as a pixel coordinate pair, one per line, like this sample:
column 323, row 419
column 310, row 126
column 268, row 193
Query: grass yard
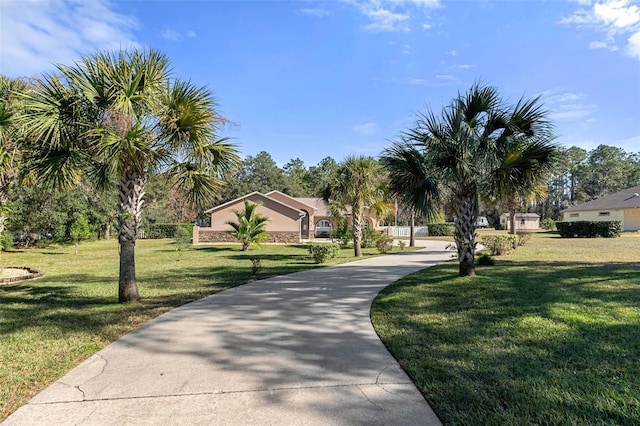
column 50, row 325
column 549, row 335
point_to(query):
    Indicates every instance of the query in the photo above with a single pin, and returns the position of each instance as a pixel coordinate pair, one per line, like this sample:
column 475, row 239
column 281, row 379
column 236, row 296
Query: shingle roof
column 321, row 206
column 626, row 199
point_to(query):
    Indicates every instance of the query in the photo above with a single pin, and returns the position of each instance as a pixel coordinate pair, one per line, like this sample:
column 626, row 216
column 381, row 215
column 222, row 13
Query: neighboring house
column 623, row 206
column 291, row 219
column 524, row 221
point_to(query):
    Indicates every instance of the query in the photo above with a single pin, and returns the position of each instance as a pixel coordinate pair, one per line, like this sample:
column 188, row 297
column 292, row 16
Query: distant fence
column 405, row 231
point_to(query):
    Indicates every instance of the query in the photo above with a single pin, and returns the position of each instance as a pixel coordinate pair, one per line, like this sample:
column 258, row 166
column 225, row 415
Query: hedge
column 590, row 229
column 441, row 229
column 164, row 230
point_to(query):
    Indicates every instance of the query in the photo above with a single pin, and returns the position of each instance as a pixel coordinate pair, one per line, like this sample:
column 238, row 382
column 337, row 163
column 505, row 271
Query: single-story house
column 524, row 221
column 291, row 219
column 623, row 206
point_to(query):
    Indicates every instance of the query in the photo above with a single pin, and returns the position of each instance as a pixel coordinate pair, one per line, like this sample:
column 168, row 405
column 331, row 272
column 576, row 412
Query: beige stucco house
column 623, row 206
column 291, row 219
column 524, row 221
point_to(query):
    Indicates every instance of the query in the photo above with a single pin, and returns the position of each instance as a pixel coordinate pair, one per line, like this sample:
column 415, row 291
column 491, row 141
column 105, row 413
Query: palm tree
column 120, row 117
column 411, row 180
column 9, row 138
column 481, row 145
column 250, row 228
column 358, row 184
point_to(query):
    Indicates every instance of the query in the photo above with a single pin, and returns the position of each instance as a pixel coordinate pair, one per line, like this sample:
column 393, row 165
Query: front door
column 304, row 226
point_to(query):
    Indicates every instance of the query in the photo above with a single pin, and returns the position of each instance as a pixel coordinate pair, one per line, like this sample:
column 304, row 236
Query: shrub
column 499, row 244
column 441, row 229
column 590, row 229
column 183, row 238
column 323, row 252
column 402, row 244
column 548, row 224
column 499, row 227
column 370, row 237
column 384, row 244
column 6, row 240
column 522, row 237
column 485, row 260
column 256, row 265
column 342, row 234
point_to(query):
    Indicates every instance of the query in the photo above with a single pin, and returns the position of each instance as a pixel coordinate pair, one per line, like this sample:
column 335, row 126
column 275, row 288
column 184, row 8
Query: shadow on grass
column 521, row 343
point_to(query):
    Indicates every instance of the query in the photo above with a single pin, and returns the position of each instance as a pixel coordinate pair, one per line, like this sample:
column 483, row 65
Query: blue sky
column 311, row 79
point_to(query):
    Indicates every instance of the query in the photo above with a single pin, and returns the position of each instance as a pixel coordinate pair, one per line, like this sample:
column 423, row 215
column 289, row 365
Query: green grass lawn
column 49, row 325
column 549, row 335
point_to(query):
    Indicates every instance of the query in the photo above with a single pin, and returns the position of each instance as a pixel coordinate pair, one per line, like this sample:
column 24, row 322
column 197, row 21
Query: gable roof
column 259, row 195
column 625, row 199
column 298, row 199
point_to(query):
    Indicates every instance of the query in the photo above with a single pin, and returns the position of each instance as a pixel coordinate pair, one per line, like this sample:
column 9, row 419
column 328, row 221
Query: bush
column 6, row 240
column 441, row 229
column 402, row 244
column 384, row 244
column 499, row 227
column 548, row 224
column 342, row 234
column 485, row 260
column 183, row 238
column 499, row 244
column 323, row 252
column 522, row 237
column 590, row 229
column 369, row 238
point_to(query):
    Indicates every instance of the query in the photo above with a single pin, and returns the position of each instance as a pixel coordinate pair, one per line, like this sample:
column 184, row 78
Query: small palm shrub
column 323, row 252
column 250, row 228
column 441, row 229
column 384, row 244
column 402, row 244
column 6, row 240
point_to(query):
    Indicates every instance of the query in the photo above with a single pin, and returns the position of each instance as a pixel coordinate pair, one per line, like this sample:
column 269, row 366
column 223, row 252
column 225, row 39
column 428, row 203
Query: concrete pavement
column 297, row 349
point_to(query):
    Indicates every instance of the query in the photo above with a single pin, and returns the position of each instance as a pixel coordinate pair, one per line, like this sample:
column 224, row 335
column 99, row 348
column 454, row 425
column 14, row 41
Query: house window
column 323, row 228
column 574, row 214
column 604, row 214
column 522, row 222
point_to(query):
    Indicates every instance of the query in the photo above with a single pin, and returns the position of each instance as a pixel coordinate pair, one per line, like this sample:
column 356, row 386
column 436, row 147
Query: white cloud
column 191, row 34
column 366, row 129
column 453, row 53
column 316, row 12
column 568, row 106
column 171, row 35
column 617, row 20
column 406, row 49
column 36, row 34
column 445, row 77
column 394, row 15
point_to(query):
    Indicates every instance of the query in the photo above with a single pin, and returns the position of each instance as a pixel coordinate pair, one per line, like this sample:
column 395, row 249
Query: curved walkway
column 297, row 349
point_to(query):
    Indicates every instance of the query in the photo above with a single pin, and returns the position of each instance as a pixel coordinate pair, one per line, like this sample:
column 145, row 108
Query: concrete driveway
column 297, row 349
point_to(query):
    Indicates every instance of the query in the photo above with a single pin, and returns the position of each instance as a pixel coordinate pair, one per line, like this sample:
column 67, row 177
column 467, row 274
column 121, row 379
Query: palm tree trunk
column 465, row 237
column 131, row 190
column 412, row 229
column 356, row 219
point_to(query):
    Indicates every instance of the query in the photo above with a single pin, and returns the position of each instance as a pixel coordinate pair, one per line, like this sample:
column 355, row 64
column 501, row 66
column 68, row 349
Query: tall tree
column 411, row 180
column 320, row 175
column 258, row 173
column 121, row 117
column 481, row 145
column 9, row 138
column 358, row 185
